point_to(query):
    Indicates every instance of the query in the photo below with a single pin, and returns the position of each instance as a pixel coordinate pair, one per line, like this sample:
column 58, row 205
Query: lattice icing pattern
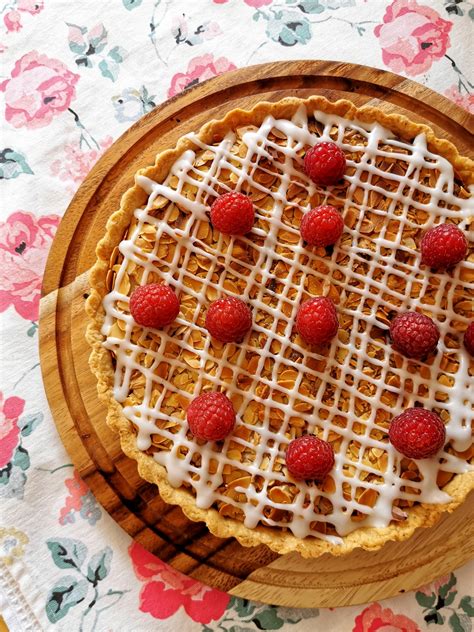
column 345, row 392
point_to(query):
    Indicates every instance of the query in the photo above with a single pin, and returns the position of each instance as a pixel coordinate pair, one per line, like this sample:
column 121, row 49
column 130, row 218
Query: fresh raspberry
column 469, row 339
column 232, row 213
column 228, row 319
column 154, row 305
column 322, row 226
column 316, row 320
column 414, row 335
column 309, row 457
column 417, row 433
column 325, row 163
column 211, row 416
column 443, row 246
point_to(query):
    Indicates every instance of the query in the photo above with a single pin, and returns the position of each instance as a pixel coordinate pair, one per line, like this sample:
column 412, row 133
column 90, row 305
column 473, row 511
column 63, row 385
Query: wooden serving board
column 135, row 504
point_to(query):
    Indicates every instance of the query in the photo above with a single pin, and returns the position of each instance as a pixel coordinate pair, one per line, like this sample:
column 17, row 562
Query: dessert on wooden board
column 281, row 322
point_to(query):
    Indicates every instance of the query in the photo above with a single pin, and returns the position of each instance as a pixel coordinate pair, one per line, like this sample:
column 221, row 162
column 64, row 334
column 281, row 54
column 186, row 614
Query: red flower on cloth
column 199, row 69
column 10, row 410
column 39, row 89
column 24, row 244
column 166, row 590
column 412, row 37
column 378, row 619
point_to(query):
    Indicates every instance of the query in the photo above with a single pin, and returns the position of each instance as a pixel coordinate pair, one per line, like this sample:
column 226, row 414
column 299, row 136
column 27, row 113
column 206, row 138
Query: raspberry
column 316, row 320
column 322, row 226
column 211, row 416
column 228, row 319
column 443, row 246
column 414, row 335
column 325, row 163
column 417, row 433
column 233, row 213
column 309, row 457
column 469, row 339
column 154, row 305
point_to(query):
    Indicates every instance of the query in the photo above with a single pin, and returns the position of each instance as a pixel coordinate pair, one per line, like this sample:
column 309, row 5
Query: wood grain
column 80, row 417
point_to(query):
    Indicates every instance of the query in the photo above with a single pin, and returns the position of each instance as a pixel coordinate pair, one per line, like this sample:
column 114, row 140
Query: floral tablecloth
column 74, row 76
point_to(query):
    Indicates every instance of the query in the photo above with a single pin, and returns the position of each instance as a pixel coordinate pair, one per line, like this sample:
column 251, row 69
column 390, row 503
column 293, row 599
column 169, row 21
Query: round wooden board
column 135, row 504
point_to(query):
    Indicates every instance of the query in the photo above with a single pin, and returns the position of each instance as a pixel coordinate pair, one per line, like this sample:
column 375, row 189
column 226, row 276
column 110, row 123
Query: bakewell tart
column 302, row 384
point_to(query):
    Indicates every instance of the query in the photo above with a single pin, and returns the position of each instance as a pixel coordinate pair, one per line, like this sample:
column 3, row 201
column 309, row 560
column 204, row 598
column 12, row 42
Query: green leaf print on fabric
column 67, row 553
column 467, row 604
column 311, row 6
column 437, row 600
column 268, row 620
column 66, row 593
column 117, row 54
column 427, row 601
column 109, row 69
column 242, row 615
column 13, row 473
column 72, row 590
column 13, row 164
column 460, row 622
column 99, row 566
column 21, row 458
column 131, row 4
column 288, row 28
column 28, row 423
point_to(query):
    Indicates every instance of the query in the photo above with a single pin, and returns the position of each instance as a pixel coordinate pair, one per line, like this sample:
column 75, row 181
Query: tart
column 400, row 180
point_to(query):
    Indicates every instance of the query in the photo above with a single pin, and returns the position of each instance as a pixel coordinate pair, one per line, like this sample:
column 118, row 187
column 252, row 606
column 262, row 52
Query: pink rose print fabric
column 12, row 20
column 199, row 69
column 24, row 244
column 378, row 619
column 39, row 89
column 76, row 162
column 166, row 590
column 412, row 37
column 74, row 77
column 10, row 409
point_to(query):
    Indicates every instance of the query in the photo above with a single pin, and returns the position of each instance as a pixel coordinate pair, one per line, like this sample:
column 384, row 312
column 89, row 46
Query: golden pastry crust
column 279, row 540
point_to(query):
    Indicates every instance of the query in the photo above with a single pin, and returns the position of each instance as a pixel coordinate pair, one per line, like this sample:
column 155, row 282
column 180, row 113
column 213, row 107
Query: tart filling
column 346, row 392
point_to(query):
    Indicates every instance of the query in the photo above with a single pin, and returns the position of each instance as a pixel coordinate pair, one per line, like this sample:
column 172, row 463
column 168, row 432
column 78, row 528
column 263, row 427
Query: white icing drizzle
column 459, row 402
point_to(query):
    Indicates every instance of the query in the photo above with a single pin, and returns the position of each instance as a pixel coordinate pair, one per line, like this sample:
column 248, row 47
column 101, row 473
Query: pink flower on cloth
column 166, row 590
column 39, row 89
column 30, row 6
column 10, row 410
column 378, row 619
column 79, row 501
column 75, row 163
column 466, row 101
column 412, row 37
column 428, row 589
column 199, row 69
column 12, row 21
column 24, row 244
